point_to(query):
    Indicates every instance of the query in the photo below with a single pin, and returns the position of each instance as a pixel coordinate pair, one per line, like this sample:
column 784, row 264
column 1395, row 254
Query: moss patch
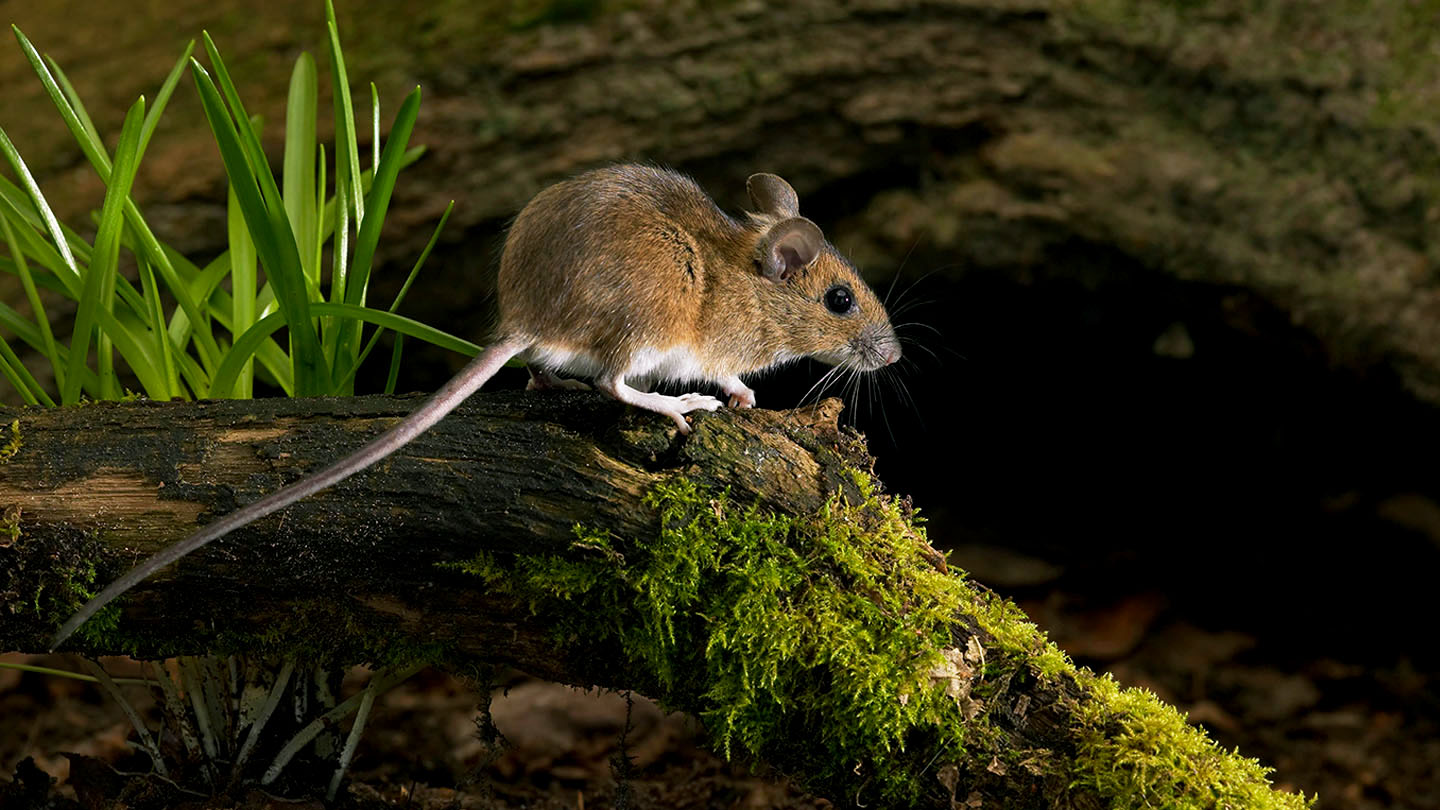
column 830, row 645
column 1140, row 752
column 12, row 444
column 41, row 590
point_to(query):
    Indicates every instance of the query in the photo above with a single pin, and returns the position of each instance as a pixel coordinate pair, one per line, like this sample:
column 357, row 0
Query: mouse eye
column 839, row 300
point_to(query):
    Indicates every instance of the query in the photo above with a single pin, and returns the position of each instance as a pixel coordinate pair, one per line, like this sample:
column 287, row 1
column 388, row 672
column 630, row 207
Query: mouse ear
column 788, row 247
column 771, row 195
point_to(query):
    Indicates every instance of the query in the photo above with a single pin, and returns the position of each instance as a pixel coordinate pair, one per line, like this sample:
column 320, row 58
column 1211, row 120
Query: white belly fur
column 677, row 364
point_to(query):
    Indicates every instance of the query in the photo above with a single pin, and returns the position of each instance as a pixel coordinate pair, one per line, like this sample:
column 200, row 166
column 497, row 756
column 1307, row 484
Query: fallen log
column 751, row 573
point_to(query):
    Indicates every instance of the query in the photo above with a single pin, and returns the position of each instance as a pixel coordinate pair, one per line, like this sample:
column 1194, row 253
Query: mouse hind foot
column 542, row 379
column 673, row 407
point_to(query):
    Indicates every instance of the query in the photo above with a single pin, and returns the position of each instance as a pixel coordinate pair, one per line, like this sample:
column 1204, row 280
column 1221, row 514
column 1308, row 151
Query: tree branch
column 747, row 573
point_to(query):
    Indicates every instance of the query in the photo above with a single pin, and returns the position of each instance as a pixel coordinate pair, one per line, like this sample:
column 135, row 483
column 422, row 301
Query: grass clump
column 148, row 317
column 286, row 304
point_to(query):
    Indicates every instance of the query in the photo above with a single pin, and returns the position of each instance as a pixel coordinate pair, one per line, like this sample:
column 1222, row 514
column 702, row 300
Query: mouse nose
column 892, row 354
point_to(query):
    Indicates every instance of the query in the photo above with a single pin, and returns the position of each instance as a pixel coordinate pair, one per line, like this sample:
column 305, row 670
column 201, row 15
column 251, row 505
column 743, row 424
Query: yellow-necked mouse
column 631, row 275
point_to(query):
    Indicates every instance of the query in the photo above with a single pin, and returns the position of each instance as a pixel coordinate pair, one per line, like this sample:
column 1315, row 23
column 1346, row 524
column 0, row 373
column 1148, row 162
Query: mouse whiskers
column 821, row 386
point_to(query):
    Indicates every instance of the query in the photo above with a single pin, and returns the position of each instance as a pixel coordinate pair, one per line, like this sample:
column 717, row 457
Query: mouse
column 632, row 276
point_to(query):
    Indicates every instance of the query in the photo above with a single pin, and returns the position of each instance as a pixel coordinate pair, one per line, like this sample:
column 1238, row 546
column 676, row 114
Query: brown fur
column 630, row 257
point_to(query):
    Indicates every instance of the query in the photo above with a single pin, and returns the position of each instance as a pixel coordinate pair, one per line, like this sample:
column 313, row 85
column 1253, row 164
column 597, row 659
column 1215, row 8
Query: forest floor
column 1360, row 734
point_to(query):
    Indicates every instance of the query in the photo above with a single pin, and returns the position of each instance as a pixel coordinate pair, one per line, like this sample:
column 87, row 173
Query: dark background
column 1167, row 275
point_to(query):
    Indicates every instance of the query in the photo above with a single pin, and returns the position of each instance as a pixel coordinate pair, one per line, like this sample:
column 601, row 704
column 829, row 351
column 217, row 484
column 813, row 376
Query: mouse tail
column 462, row 385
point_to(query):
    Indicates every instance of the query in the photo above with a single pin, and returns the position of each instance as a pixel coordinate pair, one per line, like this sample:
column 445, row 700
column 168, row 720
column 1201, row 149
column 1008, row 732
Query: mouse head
column 817, row 297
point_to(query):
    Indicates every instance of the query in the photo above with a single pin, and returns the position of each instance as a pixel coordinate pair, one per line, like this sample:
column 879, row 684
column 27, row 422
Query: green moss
column 829, row 645
column 732, row 611
column 1140, row 752
column 9, row 526
column 13, row 444
column 104, row 623
column 60, row 590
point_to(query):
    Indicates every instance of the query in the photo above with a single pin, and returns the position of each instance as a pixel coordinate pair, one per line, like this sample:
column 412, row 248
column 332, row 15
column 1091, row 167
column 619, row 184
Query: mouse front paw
column 741, row 395
column 742, row 399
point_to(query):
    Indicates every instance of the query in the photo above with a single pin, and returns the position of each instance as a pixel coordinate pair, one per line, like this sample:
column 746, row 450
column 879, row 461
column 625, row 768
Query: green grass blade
column 243, row 283
column 184, row 268
column 26, row 331
column 347, row 149
column 29, row 226
column 300, row 149
column 194, row 376
column 205, row 281
column 348, row 195
column 59, row 278
column 131, row 340
column 274, row 243
column 246, row 344
column 400, row 296
column 194, row 310
column 99, row 276
column 240, row 355
column 200, row 287
column 89, row 142
column 30, row 388
column 322, row 221
column 327, row 214
column 40, row 250
column 273, row 359
column 394, row 374
column 340, row 258
column 32, row 294
column 311, row 371
column 57, row 85
column 44, row 281
column 74, row 99
column 403, row 325
column 37, row 199
column 377, row 203
column 7, row 265
column 16, row 381
column 249, row 137
column 374, row 129
column 157, row 327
